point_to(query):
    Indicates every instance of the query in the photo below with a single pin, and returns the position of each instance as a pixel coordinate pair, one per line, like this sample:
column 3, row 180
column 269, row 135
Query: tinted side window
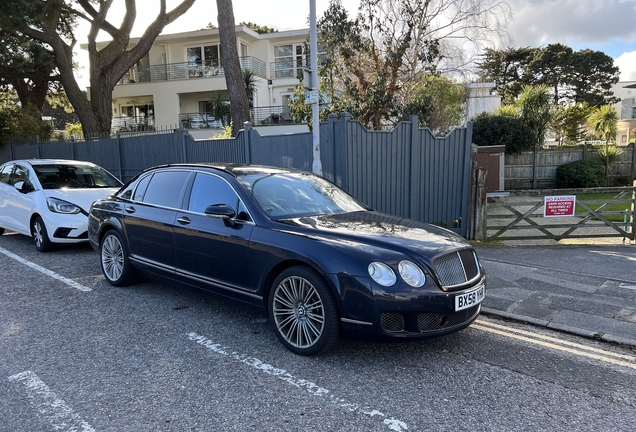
column 142, row 185
column 5, row 174
column 165, row 188
column 208, row 190
column 21, row 174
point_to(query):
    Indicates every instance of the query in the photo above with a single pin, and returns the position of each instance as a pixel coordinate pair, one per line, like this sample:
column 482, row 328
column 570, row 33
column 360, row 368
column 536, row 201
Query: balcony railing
column 292, row 67
column 133, row 124
column 188, row 70
column 202, row 121
column 260, row 116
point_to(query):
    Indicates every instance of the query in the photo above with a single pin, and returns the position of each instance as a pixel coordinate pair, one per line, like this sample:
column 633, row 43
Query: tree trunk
column 108, row 64
column 239, row 104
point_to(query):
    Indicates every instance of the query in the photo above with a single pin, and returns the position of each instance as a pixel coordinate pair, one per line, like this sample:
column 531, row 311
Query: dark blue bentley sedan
column 292, row 245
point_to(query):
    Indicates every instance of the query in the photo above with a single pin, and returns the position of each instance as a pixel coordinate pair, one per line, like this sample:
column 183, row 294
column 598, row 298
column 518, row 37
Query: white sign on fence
column 559, row 206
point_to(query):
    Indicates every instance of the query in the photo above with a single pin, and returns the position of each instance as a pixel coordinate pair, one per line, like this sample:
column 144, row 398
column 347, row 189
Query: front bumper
column 400, row 313
column 65, row 228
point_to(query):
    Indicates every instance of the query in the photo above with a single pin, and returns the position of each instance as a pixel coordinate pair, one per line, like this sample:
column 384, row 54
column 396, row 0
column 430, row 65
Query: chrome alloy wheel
column 112, row 257
column 38, row 234
column 298, row 312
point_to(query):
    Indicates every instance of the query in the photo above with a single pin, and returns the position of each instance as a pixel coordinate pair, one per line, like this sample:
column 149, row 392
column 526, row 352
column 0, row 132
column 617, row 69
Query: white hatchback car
column 49, row 199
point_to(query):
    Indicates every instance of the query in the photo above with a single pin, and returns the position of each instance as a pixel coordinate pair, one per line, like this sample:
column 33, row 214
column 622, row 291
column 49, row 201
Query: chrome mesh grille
column 430, row 322
column 392, row 322
column 457, row 268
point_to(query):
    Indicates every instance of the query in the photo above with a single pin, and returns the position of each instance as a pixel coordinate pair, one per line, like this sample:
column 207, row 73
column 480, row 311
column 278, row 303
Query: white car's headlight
column 59, row 206
column 411, row 274
column 382, row 274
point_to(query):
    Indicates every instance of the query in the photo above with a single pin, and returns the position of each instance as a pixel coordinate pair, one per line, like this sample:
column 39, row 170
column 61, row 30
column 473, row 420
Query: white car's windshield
column 289, row 195
column 60, row 176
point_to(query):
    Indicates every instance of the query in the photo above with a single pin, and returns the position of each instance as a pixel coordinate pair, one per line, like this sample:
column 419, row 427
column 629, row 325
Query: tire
column 40, row 235
column 113, row 257
column 303, row 312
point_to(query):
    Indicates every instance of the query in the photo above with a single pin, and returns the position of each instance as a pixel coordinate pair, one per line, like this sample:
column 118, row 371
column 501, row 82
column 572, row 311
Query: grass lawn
column 625, row 203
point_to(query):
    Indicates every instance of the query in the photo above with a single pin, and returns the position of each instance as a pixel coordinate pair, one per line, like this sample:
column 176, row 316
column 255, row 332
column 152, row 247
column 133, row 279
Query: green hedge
column 580, row 174
column 500, row 130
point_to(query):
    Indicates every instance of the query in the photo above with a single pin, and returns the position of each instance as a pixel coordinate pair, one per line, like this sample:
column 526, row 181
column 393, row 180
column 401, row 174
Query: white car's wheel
column 40, row 235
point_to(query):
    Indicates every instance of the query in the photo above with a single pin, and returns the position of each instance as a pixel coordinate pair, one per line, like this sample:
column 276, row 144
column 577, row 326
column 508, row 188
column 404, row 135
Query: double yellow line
column 557, row 344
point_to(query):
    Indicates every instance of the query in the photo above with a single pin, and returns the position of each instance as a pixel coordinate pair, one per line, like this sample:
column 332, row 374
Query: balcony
column 133, row 124
column 189, row 70
column 292, row 67
column 260, row 116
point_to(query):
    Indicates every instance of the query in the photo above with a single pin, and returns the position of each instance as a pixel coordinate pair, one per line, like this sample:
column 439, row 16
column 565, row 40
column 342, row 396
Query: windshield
column 60, row 176
column 290, row 195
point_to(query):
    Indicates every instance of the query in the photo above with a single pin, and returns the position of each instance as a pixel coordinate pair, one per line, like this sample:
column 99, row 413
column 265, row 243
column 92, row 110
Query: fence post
column 181, row 135
column 634, row 208
column 37, row 141
column 481, row 207
column 119, row 140
column 634, row 161
column 415, row 127
column 247, row 132
column 11, row 150
column 341, row 140
column 472, row 194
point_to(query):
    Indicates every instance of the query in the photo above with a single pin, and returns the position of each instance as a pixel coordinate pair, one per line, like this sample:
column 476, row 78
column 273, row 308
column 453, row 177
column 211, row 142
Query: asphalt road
column 79, row 355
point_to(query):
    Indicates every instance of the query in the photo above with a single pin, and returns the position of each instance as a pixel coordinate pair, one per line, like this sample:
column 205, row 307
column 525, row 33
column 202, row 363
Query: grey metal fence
column 406, row 172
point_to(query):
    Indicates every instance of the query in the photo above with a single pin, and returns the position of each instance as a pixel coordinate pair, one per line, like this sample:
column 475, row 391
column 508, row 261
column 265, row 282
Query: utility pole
column 315, row 86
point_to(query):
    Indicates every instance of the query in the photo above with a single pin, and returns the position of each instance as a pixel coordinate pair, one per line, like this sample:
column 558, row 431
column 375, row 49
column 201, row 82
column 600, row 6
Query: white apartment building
column 181, row 76
column 626, row 108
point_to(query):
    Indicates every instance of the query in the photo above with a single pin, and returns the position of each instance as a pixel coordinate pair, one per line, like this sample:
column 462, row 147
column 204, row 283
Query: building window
column 634, row 113
column 203, row 60
column 288, row 61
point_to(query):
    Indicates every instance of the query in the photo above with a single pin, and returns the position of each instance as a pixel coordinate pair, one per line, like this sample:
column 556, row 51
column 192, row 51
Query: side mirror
column 221, row 211
column 23, row 186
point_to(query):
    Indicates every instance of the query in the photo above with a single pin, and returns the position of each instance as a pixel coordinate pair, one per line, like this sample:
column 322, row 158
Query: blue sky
column 603, row 25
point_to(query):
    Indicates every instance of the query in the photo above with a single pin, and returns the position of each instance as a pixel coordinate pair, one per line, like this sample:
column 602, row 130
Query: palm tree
column 603, row 122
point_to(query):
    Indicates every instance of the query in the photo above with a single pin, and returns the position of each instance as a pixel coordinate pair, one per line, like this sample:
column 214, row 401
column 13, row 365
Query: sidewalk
column 588, row 290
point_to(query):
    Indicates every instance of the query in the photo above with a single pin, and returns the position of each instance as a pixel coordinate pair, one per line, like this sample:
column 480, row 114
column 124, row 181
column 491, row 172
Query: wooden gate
column 519, row 215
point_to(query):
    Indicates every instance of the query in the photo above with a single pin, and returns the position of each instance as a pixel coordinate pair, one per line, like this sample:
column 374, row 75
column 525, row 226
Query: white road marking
column 314, row 389
column 49, row 406
column 47, row 272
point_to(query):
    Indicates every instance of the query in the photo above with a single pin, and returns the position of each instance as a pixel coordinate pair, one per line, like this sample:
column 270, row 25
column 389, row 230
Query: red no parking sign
column 556, row 206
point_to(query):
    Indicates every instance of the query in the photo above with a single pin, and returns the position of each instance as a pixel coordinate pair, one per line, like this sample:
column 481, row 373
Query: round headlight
column 382, row 274
column 411, row 274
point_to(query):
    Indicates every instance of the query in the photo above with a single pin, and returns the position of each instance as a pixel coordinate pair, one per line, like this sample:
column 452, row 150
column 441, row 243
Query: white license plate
column 464, row 301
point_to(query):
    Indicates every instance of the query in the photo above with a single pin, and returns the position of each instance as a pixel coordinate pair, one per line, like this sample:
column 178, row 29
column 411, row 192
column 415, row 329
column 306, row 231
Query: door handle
column 130, row 209
column 183, row 220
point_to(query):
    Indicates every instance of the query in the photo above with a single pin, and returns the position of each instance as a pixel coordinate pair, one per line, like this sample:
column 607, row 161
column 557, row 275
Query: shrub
column 501, row 130
column 580, row 174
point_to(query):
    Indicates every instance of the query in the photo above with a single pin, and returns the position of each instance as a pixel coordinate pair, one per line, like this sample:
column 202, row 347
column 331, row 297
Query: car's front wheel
column 40, row 235
column 303, row 311
column 114, row 259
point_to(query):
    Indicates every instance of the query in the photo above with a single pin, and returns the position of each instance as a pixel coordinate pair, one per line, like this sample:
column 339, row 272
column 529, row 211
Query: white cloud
column 627, row 64
column 539, row 22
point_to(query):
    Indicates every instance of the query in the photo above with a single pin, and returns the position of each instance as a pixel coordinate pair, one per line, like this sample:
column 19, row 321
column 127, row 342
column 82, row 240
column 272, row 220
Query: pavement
column 587, row 290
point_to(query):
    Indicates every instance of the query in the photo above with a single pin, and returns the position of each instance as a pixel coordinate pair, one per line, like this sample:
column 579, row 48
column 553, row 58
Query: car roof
column 35, row 162
column 234, row 169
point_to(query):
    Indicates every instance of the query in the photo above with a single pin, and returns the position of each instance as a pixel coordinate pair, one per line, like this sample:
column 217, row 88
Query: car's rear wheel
column 114, row 260
column 40, row 235
column 303, row 311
